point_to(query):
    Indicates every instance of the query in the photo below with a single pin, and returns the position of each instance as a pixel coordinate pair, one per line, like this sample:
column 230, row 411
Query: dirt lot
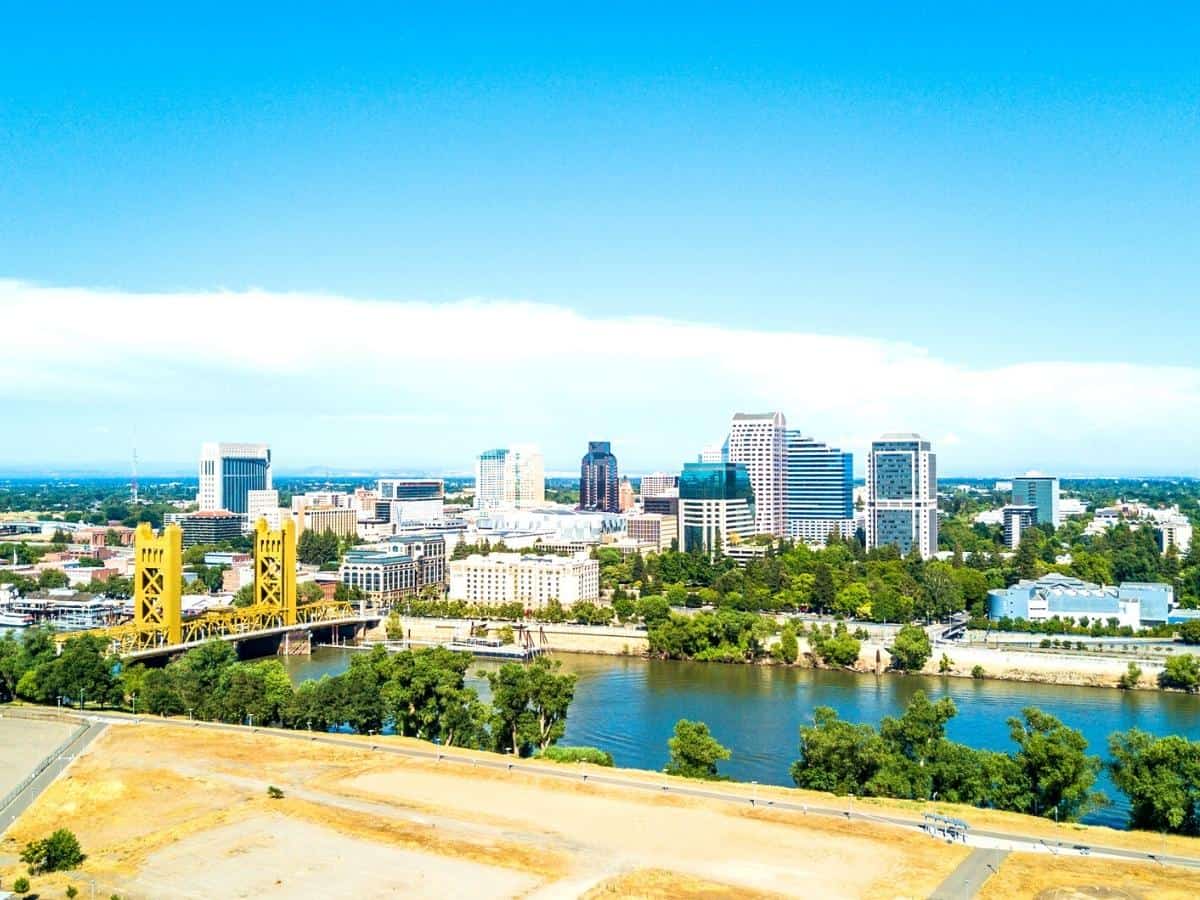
column 184, row 812
column 23, row 744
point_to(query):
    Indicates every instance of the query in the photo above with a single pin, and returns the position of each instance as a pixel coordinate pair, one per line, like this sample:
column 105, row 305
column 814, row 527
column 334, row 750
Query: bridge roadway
column 239, row 636
column 979, row 838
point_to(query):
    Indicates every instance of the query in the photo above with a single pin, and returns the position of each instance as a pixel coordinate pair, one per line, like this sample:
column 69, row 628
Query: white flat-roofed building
column 263, row 505
column 758, row 441
column 342, row 521
column 657, row 483
column 531, row 580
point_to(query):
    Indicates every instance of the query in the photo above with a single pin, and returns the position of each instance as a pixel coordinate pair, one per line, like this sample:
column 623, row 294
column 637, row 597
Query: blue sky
column 978, row 189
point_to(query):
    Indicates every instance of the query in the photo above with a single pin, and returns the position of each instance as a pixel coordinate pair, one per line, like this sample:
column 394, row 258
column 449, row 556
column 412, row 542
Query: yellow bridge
column 158, row 625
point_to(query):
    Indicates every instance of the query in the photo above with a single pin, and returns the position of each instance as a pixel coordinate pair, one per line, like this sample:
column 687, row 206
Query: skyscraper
column 510, row 478
column 598, row 483
column 716, row 506
column 228, row 472
column 902, row 494
column 1040, row 491
column 819, row 490
column 757, row 442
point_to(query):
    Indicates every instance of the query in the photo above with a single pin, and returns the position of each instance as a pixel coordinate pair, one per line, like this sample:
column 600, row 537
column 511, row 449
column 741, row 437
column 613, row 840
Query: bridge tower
column 275, row 568
column 158, row 581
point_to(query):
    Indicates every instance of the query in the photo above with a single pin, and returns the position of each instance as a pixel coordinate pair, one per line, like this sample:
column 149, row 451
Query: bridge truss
column 158, row 623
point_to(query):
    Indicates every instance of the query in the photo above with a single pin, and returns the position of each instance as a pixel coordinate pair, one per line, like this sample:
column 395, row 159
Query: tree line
column 414, row 693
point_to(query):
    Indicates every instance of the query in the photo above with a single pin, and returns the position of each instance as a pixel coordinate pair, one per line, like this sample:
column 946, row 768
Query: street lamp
column 189, row 714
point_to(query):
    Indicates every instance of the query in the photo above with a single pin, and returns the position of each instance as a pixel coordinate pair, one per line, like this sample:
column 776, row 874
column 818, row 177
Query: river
column 629, row 706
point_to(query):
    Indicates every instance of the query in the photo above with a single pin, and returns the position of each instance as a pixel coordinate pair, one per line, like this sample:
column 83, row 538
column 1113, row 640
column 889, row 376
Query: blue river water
column 629, row 706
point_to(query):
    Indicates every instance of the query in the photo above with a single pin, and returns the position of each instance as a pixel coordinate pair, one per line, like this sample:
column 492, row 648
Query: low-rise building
column 214, row 526
column 399, row 567
column 654, row 529
column 1134, row 604
column 341, row 520
column 531, row 580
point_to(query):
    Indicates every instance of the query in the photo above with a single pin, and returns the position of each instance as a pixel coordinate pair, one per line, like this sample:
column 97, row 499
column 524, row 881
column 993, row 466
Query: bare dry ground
column 173, row 811
column 1025, row 875
column 23, row 744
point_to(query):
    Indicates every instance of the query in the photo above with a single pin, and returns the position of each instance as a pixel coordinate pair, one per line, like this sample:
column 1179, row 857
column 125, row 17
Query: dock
column 484, row 648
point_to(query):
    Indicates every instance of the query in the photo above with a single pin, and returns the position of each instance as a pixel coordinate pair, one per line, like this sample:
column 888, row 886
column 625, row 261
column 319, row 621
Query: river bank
column 996, row 663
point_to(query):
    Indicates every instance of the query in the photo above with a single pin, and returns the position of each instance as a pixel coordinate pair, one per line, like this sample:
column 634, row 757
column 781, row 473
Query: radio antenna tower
column 134, row 485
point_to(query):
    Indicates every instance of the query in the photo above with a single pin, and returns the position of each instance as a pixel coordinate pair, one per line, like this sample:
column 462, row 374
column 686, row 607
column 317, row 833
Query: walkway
column 966, row 880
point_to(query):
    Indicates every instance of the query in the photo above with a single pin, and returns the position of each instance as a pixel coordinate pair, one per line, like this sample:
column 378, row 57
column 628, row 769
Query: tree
column 1054, row 774
column 942, row 592
column 1189, row 631
column 56, row 853
column 83, row 670
column 1181, row 672
column 823, row 591
column 50, row 579
column 244, row 596
column 789, row 647
column 694, row 752
column 12, row 666
column 853, row 601
column 317, row 548
column 837, row 649
column 1161, row 778
column 309, row 592
column 530, row 705
column 654, row 610
column 837, row 756
column 911, row 649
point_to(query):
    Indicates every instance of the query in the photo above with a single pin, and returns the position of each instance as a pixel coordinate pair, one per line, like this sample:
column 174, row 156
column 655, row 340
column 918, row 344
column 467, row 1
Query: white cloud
column 497, row 370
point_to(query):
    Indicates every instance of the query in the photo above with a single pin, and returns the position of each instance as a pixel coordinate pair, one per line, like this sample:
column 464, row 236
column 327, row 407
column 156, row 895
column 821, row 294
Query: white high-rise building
column 228, row 472
column 510, row 478
column 758, row 441
column 263, row 505
column 902, row 494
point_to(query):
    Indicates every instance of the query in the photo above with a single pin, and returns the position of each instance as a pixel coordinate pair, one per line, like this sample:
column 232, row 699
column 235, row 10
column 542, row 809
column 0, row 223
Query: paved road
column 980, row 838
column 966, row 880
column 33, row 790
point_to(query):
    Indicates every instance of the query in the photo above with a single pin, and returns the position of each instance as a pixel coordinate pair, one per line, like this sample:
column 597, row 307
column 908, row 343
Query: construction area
column 172, row 810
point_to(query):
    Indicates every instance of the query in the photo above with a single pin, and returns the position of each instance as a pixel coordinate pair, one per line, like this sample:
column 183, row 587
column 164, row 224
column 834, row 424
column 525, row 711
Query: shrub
column 56, row 853
column 1181, row 672
column 274, row 793
column 1045, row 644
column 21, row 885
column 72, row 892
column 593, row 755
column 945, row 664
column 977, row 672
column 1131, row 677
column 788, row 648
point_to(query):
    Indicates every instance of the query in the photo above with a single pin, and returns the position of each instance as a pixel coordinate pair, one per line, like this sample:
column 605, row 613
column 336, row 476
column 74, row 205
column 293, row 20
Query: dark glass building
column 598, row 483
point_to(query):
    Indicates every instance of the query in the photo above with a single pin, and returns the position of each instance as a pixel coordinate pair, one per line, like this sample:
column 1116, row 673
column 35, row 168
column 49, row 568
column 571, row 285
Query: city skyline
column 292, row 391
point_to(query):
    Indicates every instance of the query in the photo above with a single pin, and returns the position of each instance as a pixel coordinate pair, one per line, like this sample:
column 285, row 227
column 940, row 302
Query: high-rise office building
column 510, row 478
column 410, row 499
column 902, row 494
column 757, row 442
column 228, row 472
column 598, row 482
column 1017, row 520
column 657, row 483
column 1039, row 491
column 819, row 490
column 716, row 506
column 627, row 498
